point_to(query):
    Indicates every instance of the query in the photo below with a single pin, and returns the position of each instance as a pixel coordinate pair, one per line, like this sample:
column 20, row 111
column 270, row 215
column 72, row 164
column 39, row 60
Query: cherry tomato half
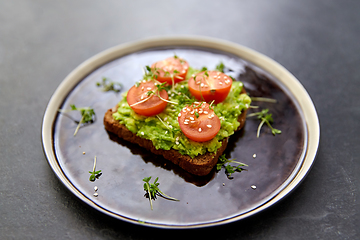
column 198, row 122
column 143, row 99
column 173, row 66
column 210, row 85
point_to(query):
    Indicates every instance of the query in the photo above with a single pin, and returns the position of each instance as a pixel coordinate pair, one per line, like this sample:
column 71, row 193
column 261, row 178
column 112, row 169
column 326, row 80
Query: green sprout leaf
column 152, row 190
column 87, row 115
column 220, row 67
column 108, row 85
column 265, row 117
column 229, row 169
column 94, row 174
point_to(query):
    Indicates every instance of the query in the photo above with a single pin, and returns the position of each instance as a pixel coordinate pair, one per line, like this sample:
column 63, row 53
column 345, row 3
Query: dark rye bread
column 199, row 165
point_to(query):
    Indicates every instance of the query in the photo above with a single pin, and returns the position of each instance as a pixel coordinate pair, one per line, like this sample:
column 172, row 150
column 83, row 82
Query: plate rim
column 265, row 63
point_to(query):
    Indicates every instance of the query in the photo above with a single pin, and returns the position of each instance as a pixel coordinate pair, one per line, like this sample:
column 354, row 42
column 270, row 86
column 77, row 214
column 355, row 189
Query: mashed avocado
column 164, row 131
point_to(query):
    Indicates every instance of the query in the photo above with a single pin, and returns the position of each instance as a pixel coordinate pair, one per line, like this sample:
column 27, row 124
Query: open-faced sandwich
column 183, row 114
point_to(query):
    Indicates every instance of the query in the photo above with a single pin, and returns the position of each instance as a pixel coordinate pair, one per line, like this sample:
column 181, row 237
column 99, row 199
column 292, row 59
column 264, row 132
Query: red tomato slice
column 142, row 103
column 173, row 66
column 210, row 85
column 199, row 122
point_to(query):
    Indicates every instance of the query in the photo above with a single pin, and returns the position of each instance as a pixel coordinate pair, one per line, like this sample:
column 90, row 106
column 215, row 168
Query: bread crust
column 200, row 165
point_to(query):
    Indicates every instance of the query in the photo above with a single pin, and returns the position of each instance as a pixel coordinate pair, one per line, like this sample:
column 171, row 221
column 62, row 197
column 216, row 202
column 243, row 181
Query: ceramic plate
column 280, row 164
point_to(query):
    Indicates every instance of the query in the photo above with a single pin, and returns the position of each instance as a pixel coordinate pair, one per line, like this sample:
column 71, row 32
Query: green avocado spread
column 163, row 129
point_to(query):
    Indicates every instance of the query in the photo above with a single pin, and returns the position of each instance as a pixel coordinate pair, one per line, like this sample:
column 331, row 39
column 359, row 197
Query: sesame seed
column 237, row 106
column 209, row 126
column 166, row 132
column 200, row 129
column 96, row 188
column 205, row 112
column 96, row 194
column 170, row 126
column 220, row 83
column 192, row 121
column 253, row 187
column 142, row 133
column 192, row 112
column 254, row 155
column 200, row 111
column 191, row 118
column 179, row 115
column 186, row 120
column 186, row 123
column 202, row 84
column 142, row 88
column 184, row 110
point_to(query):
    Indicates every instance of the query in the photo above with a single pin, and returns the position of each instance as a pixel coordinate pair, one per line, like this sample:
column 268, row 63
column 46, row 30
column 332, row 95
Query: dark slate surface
column 42, row 41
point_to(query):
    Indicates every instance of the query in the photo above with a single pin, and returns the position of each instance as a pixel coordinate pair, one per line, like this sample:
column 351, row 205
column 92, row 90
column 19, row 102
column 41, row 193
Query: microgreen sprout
column 229, row 169
column 149, row 74
column 262, row 99
column 94, row 174
column 152, row 190
column 220, row 67
column 108, row 85
column 180, row 59
column 211, row 105
column 87, row 115
column 150, row 93
column 167, row 126
column 265, row 117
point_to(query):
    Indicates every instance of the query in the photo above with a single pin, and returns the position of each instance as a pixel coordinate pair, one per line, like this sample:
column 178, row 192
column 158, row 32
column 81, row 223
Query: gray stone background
column 42, row 41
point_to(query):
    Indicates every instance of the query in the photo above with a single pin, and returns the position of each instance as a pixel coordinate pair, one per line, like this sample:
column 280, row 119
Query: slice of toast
column 200, row 165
